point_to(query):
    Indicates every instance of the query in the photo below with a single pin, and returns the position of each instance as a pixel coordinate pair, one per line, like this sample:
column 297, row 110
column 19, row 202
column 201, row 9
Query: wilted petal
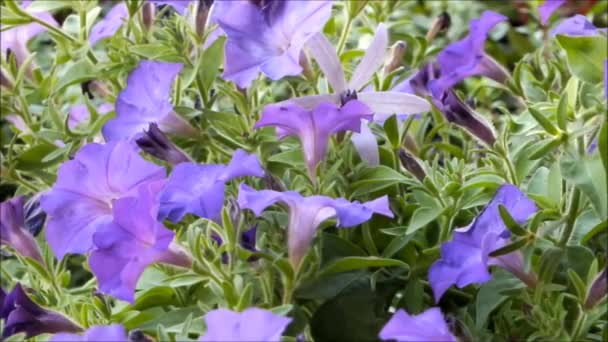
column 391, row 102
column 366, row 144
column 109, row 333
column 325, row 55
column 372, row 60
column 80, row 202
column 307, row 213
column 466, row 258
column 13, row 231
column 314, row 127
column 463, row 58
column 577, row 25
column 146, row 99
column 426, row 326
column 253, row 324
column 547, row 8
column 110, row 24
column 199, row 189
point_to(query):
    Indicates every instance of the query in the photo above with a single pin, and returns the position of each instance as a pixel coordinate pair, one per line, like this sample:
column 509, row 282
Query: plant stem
column 571, row 218
column 344, row 35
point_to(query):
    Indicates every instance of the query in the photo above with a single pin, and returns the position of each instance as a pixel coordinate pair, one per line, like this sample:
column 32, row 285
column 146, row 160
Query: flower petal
column 325, row 54
column 372, row 60
column 391, row 102
column 366, row 144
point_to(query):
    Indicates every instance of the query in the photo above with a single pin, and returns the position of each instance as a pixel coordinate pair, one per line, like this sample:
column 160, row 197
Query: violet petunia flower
column 81, row 200
column 426, row 326
column 80, row 114
column 110, row 24
column 307, row 213
column 132, row 241
column 199, row 189
column 314, row 127
column 465, row 259
column 253, row 324
column 547, row 8
column 13, row 229
column 146, row 99
column 108, row 333
column 21, row 315
column 577, row 25
column 267, row 39
column 466, row 57
column 16, row 38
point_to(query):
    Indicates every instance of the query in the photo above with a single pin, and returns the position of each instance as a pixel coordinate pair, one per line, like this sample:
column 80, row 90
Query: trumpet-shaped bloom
column 267, row 39
column 465, row 259
column 21, row 315
column 577, row 25
column 307, row 213
column 199, row 189
column 79, row 114
column 547, row 8
column 466, row 57
column 253, row 324
column 15, row 39
column 427, row 326
column 132, row 241
column 109, row 333
column 146, row 99
column 13, row 230
column 110, row 24
column 81, row 200
column 314, row 127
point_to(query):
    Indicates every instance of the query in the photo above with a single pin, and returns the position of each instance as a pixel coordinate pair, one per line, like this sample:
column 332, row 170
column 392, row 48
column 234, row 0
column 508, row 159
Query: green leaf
column 156, row 296
column 602, row 144
column 376, row 178
column 330, row 285
column 543, row 121
column 491, row 294
column 562, row 112
column 588, row 174
column 602, row 227
column 549, row 262
column 212, row 58
column 32, row 157
column 77, row 73
column 355, row 263
column 428, row 211
column 512, row 247
column 586, row 56
column 391, row 128
column 510, row 222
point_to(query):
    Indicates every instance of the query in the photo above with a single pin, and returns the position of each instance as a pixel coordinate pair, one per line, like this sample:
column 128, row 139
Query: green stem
column 344, row 35
column 571, row 218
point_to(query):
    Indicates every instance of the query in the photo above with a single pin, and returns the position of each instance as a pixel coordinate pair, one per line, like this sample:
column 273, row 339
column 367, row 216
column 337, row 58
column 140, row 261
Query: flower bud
column 202, row 13
column 598, row 290
column 397, row 52
column 148, row 12
column 411, row 164
column 441, row 23
column 156, row 143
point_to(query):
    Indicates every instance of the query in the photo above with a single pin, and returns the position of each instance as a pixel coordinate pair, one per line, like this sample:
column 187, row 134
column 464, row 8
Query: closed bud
column 273, row 183
column 156, row 143
column 598, row 290
column 459, row 113
column 139, row 336
column 441, row 23
column 397, row 53
column 411, row 164
column 202, row 13
column 148, row 13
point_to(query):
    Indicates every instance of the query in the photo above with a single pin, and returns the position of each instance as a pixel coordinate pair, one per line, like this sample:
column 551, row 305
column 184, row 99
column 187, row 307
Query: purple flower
column 108, row 26
column 598, row 289
column 180, row 6
column 13, row 231
column 81, row 200
column 577, row 25
column 466, row 57
column 253, row 324
column 547, row 8
column 156, row 143
column 132, row 241
column 427, row 326
column 80, row 113
column 146, row 99
column 109, row 333
column 15, row 39
column 22, row 315
column 199, row 189
column 307, row 213
column 267, row 39
column 314, row 127
column 465, row 259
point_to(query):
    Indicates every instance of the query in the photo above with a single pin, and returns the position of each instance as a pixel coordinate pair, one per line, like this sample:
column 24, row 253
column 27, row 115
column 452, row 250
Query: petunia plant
column 284, row 170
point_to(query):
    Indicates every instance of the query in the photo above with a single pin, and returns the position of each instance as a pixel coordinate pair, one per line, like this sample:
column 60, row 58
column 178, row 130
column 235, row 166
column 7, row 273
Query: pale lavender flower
column 81, row 200
column 466, row 57
column 199, row 189
column 79, row 113
column 426, row 326
column 465, row 259
column 314, row 127
column 253, row 324
column 13, row 230
column 547, row 8
column 133, row 240
column 267, row 39
column 21, row 315
column 110, row 24
column 98, row 333
column 577, row 25
column 307, row 213
column 146, row 99
column 15, row 39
